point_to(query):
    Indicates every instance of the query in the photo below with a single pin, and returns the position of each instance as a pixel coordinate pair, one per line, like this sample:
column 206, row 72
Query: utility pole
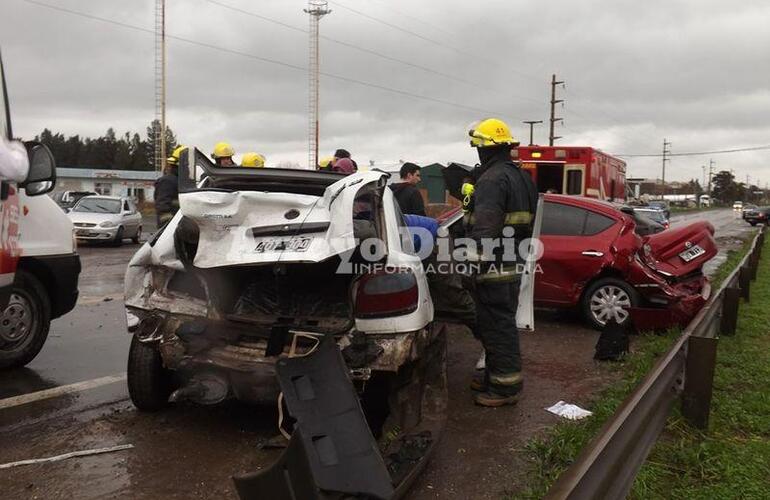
column 531, row 124
column 711, row 174
column 316, row 9
column 160, row 86
column 666, row 151
column 554, row 102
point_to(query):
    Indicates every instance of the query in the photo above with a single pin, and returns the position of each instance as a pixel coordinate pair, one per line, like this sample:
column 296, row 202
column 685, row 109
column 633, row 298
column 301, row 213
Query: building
column 137, row 184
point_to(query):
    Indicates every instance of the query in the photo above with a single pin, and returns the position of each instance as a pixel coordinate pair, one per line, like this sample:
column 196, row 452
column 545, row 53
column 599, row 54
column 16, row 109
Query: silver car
column 106, row 218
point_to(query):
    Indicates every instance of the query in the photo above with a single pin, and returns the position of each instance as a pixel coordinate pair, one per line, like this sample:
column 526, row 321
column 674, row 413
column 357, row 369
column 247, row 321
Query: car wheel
column 25, row 321
column 753, row 223
column 149, row 383
column 608, row 298
column 118, row 237
column 137, row 236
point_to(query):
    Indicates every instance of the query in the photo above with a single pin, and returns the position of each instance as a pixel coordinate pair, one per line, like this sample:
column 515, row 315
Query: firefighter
column 253, row 160
column 504, row 200
column 167, row 189
column 223, row 155
column 325, row 163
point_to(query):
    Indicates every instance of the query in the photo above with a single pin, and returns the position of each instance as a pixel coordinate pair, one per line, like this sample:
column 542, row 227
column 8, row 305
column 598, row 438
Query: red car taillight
column 390, row 292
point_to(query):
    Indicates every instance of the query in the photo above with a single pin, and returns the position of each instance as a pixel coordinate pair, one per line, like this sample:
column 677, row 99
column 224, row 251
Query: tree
column 127, row 152
column 151, row 139
column 724, row 187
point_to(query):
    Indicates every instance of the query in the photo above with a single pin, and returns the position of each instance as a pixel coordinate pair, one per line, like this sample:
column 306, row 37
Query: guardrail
column 607, row 466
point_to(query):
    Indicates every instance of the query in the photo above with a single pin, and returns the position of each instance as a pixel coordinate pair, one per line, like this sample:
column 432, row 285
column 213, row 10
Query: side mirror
column 41, row 178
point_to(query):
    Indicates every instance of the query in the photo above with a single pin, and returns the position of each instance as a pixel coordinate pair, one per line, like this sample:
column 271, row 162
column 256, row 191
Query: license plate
column 692, row 253
column 281, row 244
column 83, row 232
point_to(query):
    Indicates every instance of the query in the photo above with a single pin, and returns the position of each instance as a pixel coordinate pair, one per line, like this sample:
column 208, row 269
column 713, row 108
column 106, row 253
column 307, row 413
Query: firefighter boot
column 493, row 400
column 479, row 381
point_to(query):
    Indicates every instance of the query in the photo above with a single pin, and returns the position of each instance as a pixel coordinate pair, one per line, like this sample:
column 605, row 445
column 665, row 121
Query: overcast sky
column 696, row 72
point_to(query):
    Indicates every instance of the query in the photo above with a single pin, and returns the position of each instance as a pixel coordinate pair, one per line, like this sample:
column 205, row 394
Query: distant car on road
column 67, row 199
column 656, row 215
column 660, row 205
column 757, row 216
column 747, row 208
column 594, row 260
column 106, row 218
column 738, row 206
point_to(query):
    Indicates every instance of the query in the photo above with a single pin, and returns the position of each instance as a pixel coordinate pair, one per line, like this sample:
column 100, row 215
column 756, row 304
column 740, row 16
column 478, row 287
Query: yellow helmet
column 222, row 150
column 255, row 160
column 325, row 163
column 491, row 132
column 174, row 158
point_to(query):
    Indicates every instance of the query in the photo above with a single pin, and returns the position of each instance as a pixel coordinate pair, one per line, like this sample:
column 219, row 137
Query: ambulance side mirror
column 41, row 178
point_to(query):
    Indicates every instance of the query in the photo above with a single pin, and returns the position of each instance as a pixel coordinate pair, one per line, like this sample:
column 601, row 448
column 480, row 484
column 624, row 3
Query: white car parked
column 106, row 218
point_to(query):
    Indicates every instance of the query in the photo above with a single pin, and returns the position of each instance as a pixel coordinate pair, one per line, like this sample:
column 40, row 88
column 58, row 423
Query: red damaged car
column 593, row 259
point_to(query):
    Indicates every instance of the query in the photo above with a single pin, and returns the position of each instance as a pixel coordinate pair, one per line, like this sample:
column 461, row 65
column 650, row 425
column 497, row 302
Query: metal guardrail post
column 754, row 263
column 699, row 380
column 731, row 298
column 744, row 281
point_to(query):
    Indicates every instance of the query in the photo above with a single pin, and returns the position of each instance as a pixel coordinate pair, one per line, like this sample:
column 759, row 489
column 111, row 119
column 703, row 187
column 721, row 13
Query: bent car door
column 576, row 244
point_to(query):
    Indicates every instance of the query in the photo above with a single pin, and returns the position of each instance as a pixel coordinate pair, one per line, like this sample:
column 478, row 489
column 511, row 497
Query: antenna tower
column 160, row 86
column 316, row 9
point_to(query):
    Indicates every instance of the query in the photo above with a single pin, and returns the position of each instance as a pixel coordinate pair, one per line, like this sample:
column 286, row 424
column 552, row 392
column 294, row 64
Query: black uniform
column 504, row 197
column 166, row 197
column 409, row 198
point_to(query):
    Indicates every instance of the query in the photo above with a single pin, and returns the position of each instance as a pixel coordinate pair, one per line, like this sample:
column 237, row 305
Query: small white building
column 137, row 184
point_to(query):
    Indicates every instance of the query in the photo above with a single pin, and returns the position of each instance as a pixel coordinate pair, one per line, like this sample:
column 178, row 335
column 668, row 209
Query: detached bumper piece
column 332, row 452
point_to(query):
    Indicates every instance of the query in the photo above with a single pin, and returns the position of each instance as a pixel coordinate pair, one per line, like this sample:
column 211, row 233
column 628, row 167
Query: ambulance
column 39, row 265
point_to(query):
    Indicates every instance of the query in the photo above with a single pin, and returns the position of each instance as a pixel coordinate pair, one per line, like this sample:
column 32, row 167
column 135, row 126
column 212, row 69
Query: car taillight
column 389, row 292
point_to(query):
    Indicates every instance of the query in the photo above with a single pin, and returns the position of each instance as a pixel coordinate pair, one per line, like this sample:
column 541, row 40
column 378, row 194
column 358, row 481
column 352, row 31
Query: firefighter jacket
column 166, row 194
column 504, row 197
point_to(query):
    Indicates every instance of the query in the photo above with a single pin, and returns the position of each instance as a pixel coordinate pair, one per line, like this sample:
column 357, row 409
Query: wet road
column 730, row 231
column 190, row 452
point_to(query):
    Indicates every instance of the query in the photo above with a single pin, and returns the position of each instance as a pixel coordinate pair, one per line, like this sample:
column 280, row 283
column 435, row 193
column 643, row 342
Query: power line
column 474, row 56
column 366, row 51
column 408, row 16
column 260, row 58
column 696, row 153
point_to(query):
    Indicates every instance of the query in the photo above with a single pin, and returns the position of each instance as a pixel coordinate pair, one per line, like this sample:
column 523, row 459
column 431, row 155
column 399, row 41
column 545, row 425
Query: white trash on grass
column 569, row 411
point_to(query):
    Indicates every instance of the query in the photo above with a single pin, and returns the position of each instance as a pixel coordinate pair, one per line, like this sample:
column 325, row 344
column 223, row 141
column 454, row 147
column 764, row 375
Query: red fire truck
column 575, row 170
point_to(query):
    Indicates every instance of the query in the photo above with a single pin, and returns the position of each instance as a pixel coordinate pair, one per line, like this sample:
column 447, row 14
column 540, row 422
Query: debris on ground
column 65, row 456
column 569, row 411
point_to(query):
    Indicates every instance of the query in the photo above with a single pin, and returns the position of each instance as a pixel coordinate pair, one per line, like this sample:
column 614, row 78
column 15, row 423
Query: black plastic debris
column 332, row 452
column 613, row 342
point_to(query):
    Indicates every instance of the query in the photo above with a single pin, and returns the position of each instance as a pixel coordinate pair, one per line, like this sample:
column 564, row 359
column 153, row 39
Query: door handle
column 593, row 253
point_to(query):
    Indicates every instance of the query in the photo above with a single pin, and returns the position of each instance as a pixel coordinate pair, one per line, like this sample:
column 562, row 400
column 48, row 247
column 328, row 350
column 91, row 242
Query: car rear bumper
column 670, row 304
column 244, row 362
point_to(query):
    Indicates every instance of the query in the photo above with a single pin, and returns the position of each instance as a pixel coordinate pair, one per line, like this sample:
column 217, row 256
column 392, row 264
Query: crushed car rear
column 260, row 266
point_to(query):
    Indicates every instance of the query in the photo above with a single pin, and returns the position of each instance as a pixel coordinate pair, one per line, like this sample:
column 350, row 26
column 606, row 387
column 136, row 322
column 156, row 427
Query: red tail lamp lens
column 391, row 292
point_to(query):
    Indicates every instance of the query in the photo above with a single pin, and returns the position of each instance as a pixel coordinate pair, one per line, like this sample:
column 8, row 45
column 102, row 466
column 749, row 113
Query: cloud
column 692, row 71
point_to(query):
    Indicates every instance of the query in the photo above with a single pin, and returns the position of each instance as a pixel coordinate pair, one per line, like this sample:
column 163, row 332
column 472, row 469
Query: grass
column 683, row 453
column 732, row 459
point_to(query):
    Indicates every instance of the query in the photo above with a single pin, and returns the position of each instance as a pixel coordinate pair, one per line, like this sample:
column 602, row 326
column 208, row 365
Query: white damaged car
column 261, row 264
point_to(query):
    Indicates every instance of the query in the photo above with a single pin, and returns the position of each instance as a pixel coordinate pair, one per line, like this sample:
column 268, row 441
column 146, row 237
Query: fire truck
column 574, row 170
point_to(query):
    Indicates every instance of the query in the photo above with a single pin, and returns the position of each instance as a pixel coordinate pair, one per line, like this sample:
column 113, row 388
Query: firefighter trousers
column 496, row 304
